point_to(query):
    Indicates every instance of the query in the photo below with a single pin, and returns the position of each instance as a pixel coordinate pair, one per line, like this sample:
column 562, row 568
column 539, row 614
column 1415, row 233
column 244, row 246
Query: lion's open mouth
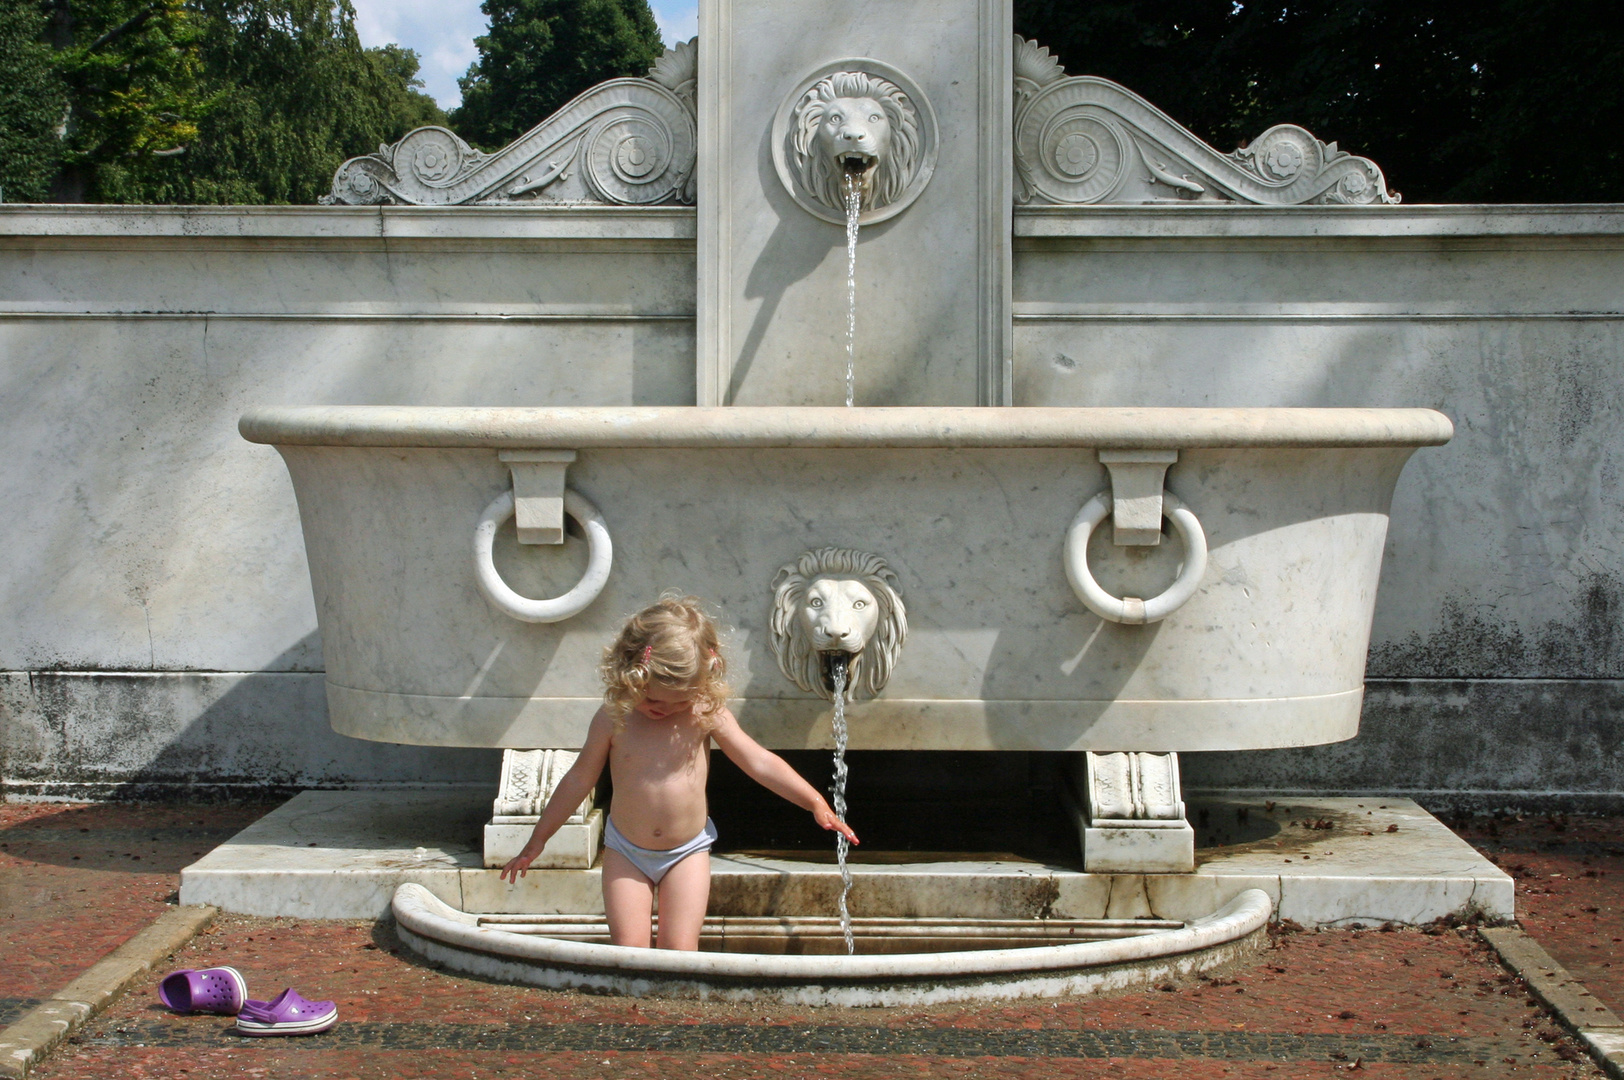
column 855, row 161
column 837, row 669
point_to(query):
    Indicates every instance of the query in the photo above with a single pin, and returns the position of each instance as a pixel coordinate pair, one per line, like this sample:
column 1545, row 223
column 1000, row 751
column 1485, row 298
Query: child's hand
column 517, row 866
column 825, row 817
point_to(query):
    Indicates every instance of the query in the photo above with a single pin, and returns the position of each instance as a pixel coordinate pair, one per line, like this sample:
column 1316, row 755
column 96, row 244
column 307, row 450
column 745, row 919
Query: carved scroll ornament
column 628, row 142
column 1080, row 139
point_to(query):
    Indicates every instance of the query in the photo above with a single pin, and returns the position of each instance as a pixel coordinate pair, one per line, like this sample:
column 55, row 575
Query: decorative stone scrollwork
column 529, row 778
column 836, row 600
column 1081, row 139
column 1132, row 787
column 859, row 114
column 628, row 142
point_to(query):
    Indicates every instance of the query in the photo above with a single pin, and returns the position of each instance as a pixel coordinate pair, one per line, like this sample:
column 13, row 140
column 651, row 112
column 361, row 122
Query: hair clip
column 648, row 651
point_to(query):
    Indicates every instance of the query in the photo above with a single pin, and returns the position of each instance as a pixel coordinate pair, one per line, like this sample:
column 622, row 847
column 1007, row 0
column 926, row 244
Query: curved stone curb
column 456, row 940
column 25, row 1043
column 1580, row 1011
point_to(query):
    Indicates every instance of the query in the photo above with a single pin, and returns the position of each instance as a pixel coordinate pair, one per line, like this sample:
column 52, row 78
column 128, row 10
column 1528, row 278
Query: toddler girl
column 664, row 702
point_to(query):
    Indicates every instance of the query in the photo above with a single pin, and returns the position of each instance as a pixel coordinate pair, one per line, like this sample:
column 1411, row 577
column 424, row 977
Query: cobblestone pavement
column 1373, row 1003
column 1570, row 889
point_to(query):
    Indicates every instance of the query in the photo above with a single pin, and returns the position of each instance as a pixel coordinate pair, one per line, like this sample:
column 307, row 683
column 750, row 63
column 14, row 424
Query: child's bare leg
column 628, row 901
column 684, row 895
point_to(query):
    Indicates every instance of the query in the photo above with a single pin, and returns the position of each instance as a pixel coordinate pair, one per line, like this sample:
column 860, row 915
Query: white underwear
column 653, row 863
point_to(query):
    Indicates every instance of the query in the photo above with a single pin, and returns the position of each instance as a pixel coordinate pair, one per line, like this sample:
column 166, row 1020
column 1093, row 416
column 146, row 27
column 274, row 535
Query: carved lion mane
column 797, row 659
column 821, row 175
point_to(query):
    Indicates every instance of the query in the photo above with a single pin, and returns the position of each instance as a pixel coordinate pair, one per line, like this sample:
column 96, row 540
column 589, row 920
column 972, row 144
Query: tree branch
column 133, row 23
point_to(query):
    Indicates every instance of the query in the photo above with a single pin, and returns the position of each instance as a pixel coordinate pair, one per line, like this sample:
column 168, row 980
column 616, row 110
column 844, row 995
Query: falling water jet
column 854, row 204
column 837, row 667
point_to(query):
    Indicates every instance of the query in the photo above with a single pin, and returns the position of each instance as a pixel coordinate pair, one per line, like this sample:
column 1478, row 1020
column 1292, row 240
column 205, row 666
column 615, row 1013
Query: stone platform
column 1323, row 861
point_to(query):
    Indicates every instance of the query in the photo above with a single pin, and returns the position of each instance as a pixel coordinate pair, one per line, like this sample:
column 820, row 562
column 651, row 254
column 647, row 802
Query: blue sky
column 443, row 32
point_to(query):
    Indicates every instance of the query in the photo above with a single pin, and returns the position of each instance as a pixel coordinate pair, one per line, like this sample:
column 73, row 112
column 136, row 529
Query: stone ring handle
column 600, row 552
column 1128, row 609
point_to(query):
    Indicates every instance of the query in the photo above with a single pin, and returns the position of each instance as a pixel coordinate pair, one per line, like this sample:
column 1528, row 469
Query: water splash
column 842, row 845
column 854, row 206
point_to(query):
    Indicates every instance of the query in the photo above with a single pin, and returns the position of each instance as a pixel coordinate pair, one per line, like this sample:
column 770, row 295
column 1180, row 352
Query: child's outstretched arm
column 774, row 773
column 572, row 788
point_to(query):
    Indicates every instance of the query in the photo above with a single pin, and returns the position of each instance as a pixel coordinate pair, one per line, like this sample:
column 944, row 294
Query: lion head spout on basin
column 836, row 601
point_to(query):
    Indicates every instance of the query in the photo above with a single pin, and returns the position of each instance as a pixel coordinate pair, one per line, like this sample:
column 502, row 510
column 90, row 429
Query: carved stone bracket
column 529, row 778
column 627, row 142
column 1132, row 814
column 1080, row 139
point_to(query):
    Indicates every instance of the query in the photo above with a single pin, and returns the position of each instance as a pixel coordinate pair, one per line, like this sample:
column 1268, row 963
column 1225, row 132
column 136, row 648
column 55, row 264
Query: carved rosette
column 1080, row 140
column 904, row 134
column 627, row 142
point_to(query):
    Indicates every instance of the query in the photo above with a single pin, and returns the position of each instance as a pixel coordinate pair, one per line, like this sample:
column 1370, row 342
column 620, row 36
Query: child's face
column 659, row 702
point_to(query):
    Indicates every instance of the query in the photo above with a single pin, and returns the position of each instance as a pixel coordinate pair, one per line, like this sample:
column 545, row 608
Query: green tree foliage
column 32, row 103
column 132, row 73
column 409, row 107
column 292, row 95
column 1498, row 102
column 217, row 101
column 541, row 53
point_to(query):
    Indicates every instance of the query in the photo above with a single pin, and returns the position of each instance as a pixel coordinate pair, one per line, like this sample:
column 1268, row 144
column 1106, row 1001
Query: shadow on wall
column 120, row 734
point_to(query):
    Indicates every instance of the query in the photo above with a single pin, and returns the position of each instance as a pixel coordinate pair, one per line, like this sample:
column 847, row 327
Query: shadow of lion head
column 852, row 115
column 838, row 600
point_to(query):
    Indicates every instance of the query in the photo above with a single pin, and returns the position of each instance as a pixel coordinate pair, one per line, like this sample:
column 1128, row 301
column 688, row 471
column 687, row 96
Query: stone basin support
column 1130, row 813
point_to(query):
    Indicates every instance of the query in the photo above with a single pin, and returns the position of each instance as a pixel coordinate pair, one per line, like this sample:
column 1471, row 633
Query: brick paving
column 1378, row 1003
column 1570, row 889
column 76, row 882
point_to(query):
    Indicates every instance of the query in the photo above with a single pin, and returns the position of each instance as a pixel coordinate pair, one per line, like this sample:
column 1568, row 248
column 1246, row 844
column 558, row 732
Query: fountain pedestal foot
column 1130, row 814
column 528, row 780
column 343, row 854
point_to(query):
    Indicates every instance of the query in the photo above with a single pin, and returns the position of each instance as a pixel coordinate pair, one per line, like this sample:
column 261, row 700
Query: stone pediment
column 1080, row 139
column 626, row 142
column 1077, row 140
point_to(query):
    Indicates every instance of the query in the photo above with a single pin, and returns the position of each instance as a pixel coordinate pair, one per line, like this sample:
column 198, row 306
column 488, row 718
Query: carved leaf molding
column 529, row 778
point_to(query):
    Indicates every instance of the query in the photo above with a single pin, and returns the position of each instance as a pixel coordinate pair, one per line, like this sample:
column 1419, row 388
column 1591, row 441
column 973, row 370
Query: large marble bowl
column 970, row 507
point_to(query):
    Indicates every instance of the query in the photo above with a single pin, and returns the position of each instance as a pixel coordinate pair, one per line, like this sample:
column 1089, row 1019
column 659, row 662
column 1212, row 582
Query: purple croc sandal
column 215, row 990
column 286, row 1014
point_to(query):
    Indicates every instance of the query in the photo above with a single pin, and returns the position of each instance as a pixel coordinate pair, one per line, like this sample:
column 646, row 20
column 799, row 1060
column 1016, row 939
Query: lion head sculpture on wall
column 857, row 120
column 835, row 600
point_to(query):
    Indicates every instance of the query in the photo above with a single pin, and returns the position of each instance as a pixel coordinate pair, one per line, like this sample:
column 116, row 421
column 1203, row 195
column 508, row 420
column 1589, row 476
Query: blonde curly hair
column 672, row 643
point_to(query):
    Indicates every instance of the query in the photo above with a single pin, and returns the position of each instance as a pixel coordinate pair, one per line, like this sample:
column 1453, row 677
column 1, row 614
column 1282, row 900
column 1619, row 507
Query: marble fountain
column 1116, row 585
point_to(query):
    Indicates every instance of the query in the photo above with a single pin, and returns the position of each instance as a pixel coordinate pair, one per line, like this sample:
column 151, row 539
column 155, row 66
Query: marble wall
column 158, row 627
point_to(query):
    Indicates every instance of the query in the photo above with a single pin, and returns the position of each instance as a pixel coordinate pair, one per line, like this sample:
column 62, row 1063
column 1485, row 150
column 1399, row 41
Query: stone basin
column 970, row 507
column 1112, row 961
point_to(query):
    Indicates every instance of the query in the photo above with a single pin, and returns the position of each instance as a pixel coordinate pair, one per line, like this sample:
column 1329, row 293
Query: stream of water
column 842, row 845
column 854, row 205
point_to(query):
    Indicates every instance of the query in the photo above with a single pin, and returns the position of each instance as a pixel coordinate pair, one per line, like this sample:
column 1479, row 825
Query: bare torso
column 659, row 768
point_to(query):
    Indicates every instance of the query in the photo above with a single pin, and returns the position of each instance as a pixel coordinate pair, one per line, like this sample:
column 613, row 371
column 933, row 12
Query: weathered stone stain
column 1467, row 645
